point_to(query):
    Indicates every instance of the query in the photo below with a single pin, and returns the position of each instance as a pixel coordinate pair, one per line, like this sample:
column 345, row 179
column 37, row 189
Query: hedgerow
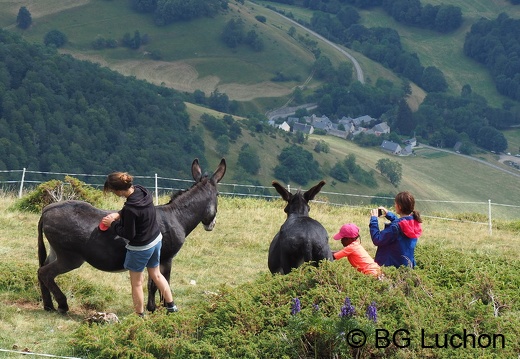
column 452, row 305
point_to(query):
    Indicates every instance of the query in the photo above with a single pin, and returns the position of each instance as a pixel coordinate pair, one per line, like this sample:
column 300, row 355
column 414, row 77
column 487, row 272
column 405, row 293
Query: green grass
column 513, row 141
column 234, row 257
column 445, row 51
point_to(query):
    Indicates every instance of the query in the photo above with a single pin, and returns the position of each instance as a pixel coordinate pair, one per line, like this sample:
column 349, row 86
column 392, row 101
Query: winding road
column 287, row 111
column 516, row 174
column 359, row 72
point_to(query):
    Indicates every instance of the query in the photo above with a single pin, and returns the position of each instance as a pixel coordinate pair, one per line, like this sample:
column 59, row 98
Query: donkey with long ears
column 71, row 228
column 301, row 238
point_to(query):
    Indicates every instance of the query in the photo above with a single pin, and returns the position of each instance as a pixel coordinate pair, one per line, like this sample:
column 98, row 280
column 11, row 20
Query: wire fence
column 476, row 212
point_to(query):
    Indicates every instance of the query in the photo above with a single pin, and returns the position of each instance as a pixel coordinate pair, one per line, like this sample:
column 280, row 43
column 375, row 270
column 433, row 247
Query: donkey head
column 210, row 184
column 298, row 203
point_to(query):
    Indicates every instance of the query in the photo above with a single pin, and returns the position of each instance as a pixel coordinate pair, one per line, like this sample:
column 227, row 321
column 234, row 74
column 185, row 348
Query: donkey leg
column 166, row 267
column 152, row 289
column 48, row 273
column 46, row 294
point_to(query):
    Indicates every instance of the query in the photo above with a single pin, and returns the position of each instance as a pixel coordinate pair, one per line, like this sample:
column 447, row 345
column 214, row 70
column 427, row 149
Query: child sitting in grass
column 354, row 251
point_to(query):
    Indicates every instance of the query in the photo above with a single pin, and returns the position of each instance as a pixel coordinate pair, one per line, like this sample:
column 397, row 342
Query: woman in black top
column 136, row 222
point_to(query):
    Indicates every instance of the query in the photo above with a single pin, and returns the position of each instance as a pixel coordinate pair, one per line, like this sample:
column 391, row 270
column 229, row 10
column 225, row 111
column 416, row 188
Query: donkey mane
column 174, row 196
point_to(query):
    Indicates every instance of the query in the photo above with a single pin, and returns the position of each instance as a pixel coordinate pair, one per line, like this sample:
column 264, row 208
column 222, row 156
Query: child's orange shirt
column 359, row 258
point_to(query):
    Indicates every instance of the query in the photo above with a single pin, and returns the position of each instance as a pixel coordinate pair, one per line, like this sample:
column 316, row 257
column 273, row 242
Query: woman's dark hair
column 406, row 202
column 118, row 181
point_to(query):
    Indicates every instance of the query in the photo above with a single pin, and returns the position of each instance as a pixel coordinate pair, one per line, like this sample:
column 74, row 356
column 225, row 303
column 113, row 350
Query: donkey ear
column 196, row 171
column 219, row 172
column 286, row 195
column 311, row 193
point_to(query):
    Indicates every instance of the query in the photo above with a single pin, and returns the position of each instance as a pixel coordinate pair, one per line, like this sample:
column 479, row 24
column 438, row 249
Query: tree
column 491, row 139
column 253, row 40
column 323, row 68
column 392, row 170
column 233, row 33
column 234, row 131
column 144, row 6
column 218, row 101
column 297, row 165
column 248, row 159
column 340, row 172
column 322, row 146
column 433, row 80
column 404, row 121
column 222, row 146
column 24, row 18
column 199, row 97
column 56, row 38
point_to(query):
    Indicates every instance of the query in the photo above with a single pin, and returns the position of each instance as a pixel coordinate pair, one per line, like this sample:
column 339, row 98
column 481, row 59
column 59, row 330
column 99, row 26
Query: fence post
column 21, row 184
column 156, row 192
column 489, row 217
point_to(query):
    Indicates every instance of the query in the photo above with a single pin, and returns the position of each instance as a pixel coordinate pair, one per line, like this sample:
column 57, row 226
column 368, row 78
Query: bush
column 328, row 311
column 55, row 191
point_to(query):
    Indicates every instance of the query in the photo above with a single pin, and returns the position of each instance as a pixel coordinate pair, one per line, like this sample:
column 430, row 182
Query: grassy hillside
column 440, row 50
column 430, row 175
column 193, row 55
column 456, row 262
column 446, row 51
column 195, row 58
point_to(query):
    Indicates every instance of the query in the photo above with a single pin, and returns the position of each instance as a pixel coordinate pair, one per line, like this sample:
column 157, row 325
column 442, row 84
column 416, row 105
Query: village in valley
column 346, row 128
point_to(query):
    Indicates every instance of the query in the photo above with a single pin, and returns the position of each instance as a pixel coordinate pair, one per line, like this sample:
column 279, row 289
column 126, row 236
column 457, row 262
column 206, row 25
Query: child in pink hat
column 354, row 251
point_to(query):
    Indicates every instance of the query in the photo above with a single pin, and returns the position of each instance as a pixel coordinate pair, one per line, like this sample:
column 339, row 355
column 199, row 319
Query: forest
column 496, row 44
column 60, row 113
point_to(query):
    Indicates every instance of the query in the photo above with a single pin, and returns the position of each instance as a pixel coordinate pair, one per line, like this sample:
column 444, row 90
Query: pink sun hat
column 349, row 230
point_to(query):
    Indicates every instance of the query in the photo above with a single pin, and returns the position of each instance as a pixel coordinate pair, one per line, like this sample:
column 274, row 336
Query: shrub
column 330, row 310
column 55, row 191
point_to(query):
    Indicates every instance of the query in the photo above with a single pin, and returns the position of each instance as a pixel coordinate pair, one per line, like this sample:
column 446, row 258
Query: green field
column 234, row 255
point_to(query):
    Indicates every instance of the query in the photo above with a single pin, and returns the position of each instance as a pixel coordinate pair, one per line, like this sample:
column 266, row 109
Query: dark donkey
column 71, row 227
column 301, row 238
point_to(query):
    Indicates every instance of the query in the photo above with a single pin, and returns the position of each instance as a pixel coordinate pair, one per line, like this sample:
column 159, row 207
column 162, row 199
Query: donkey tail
column 42, row 251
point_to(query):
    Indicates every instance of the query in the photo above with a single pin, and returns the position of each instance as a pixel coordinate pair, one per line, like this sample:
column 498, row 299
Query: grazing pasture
column 220, row 280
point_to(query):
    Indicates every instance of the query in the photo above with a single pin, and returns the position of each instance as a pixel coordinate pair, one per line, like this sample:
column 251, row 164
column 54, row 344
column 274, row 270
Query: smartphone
column 379, row 212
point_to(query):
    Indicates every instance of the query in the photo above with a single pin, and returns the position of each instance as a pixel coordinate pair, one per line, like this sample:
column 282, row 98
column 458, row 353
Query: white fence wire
column 476, row 212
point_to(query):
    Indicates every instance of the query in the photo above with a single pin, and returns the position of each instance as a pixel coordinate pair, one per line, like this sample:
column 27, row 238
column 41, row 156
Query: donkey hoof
column 49, row 308
column 63, row 310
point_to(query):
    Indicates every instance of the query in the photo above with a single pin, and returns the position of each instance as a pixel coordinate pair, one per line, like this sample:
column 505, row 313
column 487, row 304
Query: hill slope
column 429, row 175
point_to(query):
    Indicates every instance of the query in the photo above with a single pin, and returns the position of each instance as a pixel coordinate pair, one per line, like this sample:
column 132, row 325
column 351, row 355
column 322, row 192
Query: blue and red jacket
column 396, row 243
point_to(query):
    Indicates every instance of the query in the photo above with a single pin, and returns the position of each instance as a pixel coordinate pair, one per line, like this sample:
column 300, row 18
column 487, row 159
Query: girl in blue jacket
column 396, row 243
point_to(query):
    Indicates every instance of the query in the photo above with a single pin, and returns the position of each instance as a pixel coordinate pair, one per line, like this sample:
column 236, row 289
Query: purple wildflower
column 316, row 307
column 372, row 312
column 347, row 310
column 296, row 307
